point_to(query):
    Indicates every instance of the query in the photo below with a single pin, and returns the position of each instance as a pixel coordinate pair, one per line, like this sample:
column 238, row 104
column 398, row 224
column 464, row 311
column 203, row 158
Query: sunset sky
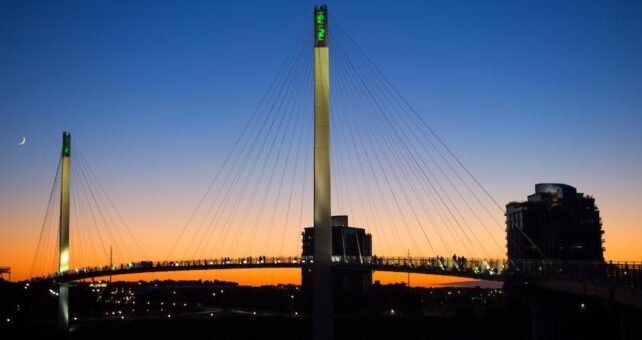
column 155, row 93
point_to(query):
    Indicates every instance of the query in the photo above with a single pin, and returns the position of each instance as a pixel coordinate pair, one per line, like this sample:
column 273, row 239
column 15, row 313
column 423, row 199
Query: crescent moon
column 23, row 141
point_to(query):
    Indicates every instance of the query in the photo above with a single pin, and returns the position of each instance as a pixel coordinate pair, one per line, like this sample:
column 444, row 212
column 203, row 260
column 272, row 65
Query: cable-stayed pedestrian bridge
column 386, row 168
column 475, row 269
column 620, row 274
column 619, row 282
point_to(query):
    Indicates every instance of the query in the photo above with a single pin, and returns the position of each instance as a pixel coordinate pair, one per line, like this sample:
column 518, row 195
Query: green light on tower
column 321, row 26
column 66, row 144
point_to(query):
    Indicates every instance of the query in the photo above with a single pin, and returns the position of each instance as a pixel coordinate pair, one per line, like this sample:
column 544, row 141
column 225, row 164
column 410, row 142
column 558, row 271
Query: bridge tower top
column 321, row 26
column 66, row 144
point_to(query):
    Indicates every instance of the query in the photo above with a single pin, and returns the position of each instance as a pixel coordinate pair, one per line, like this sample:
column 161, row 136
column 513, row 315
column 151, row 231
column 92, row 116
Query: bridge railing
column 436, row 264
column 627, row 274
column 5, row 270
column 191, row 264
column 472, row 267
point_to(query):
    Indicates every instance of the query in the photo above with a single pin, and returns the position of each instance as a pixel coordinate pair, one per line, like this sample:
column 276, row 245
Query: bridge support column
column 545, row 321
column 63, row 308
column 63, row 241
column 629, row 322
column 322, row 309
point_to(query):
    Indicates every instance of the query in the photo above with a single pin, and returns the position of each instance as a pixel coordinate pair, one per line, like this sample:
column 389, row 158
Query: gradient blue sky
column 155, row 91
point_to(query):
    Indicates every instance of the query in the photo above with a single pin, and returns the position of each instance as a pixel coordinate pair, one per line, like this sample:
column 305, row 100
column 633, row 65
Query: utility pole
column 63, row 233
column 322, row 309
column 111, row 262
column 408, row 271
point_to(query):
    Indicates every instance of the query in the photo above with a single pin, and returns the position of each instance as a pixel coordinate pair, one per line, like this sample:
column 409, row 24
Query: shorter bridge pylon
column 63, row 241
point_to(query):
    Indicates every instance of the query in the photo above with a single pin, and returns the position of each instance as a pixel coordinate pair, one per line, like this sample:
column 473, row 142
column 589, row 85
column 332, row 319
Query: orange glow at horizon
column 268, row 227
column 261, row 277
column 18, row 243
column 17, row 251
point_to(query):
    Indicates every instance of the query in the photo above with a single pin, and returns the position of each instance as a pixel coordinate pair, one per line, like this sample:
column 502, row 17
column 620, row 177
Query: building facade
column 555, row 222
column 349, row 243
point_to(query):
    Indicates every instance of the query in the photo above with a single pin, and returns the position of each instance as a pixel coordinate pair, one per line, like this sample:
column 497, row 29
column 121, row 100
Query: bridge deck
column 625, row 275
column 476, row 269
column 619, row 282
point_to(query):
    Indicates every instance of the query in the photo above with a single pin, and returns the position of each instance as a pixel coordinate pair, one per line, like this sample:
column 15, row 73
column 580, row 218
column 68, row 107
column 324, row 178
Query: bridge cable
column 238, row 173
column 82, row 193
column 425, row 164
column 304, row 117
column 402, row 140
column 231, row 153
column 387, row 180
column 364, row 174
column 371, row 131
column 341, row 124
column 286, row 91
column 117, row 240
column 402, row 151
column 433, row 133
column 48, row 210
column 92, row 174
column 75, row 230
column 297, row 95
column 226, row 183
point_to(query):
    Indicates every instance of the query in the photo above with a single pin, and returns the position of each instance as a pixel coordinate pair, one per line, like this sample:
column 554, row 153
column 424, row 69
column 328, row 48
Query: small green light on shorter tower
column 66, row 144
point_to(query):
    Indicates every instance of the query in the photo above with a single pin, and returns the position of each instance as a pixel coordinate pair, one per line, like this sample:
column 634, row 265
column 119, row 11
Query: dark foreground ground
column 235, row 327
column 217, row 310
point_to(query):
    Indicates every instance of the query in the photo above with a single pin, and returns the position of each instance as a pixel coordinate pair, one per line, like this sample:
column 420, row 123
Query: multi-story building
column 350, row 243
column 556, row 222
